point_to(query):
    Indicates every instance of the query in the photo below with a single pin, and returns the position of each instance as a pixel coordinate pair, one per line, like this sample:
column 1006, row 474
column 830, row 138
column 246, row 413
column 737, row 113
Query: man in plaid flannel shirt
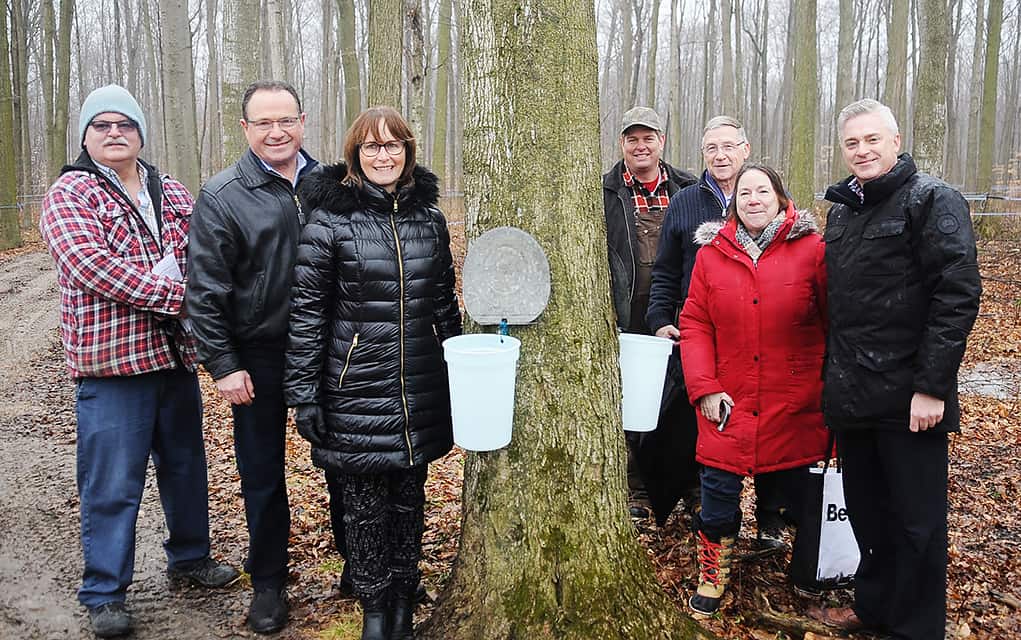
column 636, row 192
column 118, row 233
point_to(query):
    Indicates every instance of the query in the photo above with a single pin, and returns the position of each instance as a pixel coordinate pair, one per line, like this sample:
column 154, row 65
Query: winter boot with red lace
column 715, row 554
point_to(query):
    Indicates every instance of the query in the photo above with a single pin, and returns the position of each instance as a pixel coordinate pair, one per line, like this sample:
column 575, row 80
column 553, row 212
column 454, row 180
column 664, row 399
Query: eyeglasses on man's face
column 285, row 124
column 392, row 148
column 104, row 126
column 727, row 148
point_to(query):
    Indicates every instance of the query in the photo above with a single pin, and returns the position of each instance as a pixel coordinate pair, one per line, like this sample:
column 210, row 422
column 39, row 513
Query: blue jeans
column 721, row 501
column 121, row 422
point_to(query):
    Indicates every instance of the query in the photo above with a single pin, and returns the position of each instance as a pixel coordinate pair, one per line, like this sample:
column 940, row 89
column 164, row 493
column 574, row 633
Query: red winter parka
column 757, row 332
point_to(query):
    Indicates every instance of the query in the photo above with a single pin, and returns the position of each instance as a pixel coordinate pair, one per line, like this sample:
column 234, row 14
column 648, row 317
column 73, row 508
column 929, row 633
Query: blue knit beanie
column 111, row 98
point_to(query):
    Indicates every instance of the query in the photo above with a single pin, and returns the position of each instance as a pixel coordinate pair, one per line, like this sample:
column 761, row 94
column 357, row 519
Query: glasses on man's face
column 727, row 148
column 392, row 148
column 285, row 124
column 124, row 126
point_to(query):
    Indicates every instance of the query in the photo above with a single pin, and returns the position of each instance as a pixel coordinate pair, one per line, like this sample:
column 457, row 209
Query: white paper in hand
column 167, row 266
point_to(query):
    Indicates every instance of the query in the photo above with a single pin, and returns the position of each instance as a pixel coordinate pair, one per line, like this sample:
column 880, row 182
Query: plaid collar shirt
column 644, row 199
column 117, row 317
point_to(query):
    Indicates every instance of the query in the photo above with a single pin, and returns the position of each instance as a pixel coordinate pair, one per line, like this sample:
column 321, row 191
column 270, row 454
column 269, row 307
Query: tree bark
column 547, row 550
column 728, row 76
column 241, row 47
column 49, row 38
column 385, row 52
column 327, row 84
column 650, row 60
column 349, row 61
column 276, row 41
column 895, row 91
column 842, row 97
column 62, row 94
column 20, row 103
column 801, row 177
column 214, row 105
column 178, row 76
column 951, row 150
column 930, row 117
column 440, row 142
column 990, row 85
column 975, row 96
column 414, row 50
column 10, row 223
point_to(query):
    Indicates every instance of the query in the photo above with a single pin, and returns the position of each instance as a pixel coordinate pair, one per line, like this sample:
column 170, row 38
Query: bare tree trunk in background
column 783, row 126
column 763, row 80
column 49, row 40
column 10, row 224
column 349, row 61
column 650, row 60
column 951, row 150
column 327, row 89
column 975, row 96
column 62, row 95
column 675, row 137
column 990, row 85
column 443, row 63
column 214, row 105
column 627, row 53
column 19, row 58
column 710, row 107
column 552, row 553
column 240, row 68
column 804, row 102
column 415, row 63
column 728, row 77
column 150, row 98
column 276, row 40
column 131, row 47
column 1010, row 110
column 842, row 97
column 386, row 29
column 178, row 80
column 930, row 119
column 118, row 40
column 739, row 71
column 895, row 91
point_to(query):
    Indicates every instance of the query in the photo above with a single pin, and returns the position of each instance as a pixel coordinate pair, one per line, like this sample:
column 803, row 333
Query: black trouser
column 334, row 487
column 384, row 518
column 895, row 485
column 259, row 448
column 777, row 497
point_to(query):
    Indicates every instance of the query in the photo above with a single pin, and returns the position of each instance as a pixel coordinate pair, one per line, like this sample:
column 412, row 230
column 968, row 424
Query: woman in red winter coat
column 752, row 343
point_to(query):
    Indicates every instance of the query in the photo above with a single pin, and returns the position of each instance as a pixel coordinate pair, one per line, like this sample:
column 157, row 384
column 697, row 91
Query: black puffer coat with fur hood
column 373, row 298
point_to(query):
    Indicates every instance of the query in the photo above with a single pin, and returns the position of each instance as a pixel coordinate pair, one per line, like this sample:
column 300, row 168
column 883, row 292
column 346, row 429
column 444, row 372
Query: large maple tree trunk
column 547, row 548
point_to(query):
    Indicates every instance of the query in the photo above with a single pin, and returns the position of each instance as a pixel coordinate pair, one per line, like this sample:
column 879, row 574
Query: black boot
column 402, row 608
column 374, row 617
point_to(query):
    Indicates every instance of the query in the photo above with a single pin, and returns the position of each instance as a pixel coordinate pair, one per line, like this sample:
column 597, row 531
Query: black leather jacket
column 241, row 248
column 373, row 298
column 903, row 291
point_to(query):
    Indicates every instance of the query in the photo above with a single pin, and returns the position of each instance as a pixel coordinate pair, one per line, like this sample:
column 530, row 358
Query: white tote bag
column 838, row 549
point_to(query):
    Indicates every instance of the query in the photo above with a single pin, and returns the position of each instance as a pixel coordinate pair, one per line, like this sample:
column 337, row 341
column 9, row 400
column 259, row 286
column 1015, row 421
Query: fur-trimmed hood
column 325, row 190
column 803, row 225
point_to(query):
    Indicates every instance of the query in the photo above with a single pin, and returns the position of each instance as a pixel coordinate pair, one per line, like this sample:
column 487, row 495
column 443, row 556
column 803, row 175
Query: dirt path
column 40, row 554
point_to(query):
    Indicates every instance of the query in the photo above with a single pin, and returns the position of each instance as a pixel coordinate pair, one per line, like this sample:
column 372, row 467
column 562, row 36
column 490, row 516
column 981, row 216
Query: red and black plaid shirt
column 658, row 198
column 115, row 313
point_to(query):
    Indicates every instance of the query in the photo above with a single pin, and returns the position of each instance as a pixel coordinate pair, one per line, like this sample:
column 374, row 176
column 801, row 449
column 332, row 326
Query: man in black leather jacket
column 242, row 246
column 636, row 192
column 903, row 294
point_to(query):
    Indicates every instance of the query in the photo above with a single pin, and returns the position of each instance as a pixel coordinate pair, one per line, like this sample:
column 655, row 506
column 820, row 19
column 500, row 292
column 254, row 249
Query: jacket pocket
column 347, row 361
column 884, row 229
column 258, row 297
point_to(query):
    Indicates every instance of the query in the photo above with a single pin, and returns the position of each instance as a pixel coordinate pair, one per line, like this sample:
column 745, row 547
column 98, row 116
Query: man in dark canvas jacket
column 903, row 292
column 636, row 192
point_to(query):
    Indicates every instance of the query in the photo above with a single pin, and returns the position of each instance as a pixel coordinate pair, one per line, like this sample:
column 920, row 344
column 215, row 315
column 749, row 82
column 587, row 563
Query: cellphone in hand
column 724, row 415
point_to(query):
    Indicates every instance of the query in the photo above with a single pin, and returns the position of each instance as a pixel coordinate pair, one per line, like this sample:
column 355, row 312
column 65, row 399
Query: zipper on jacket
column 301, row 213
column 347, row 363
column 404, row 391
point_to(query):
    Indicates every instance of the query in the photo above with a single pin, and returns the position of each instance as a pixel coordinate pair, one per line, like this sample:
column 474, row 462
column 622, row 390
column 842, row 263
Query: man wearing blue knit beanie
column 117, row 230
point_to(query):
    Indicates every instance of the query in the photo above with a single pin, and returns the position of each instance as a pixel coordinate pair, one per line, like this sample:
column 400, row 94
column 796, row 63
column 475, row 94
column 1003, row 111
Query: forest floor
column 40, row 559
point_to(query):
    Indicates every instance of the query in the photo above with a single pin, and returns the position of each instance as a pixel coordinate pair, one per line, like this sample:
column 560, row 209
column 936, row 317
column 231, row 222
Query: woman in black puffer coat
column 373, row 298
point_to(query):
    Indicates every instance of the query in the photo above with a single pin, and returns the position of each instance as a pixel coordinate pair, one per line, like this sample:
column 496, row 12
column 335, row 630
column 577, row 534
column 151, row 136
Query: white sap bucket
column 643, row 361
column 481, row 368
